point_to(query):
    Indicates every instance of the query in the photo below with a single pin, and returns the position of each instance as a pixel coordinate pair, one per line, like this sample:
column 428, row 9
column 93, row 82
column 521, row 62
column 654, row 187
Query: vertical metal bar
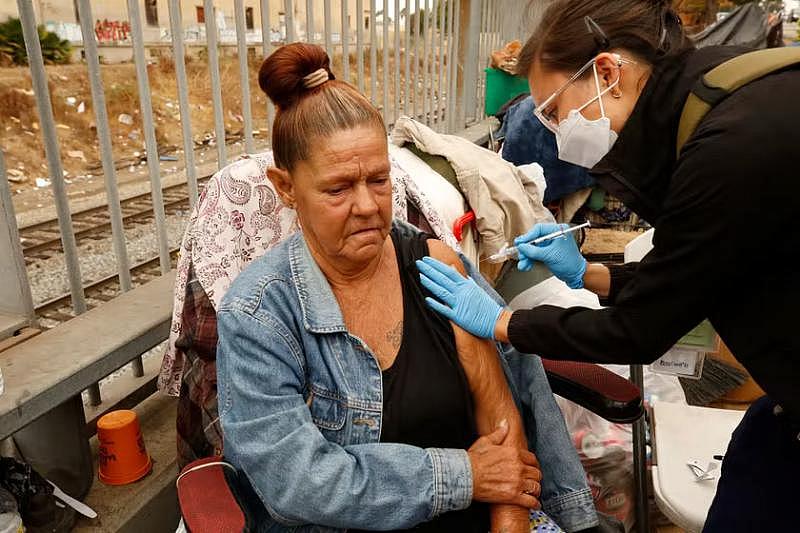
column 104, row 138
column 14, row 258
column 496, row 25
column 109, row 171
column 452, row 98
column 328, row 29
column 469, row 109
column 426, row 43
column 407, row 57
column 432, row 64
column 373, row 54
column 446, row 29
column 266, row 48
column 416, row 27
column 385, row 48
column 396, row 60
column 483, row 53
column 440, row 57
column 176, row 25
column 216, row 86
column 310, row 21
column 360, row 44
column 289, row 19
column 244, row 76
column 151, row 146
column 50, row 139
column 640, row 458
column 345, row 40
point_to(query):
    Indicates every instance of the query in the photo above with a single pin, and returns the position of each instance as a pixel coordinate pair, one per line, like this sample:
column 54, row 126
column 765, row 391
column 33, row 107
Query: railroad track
column 98, row 292
column 43, row 240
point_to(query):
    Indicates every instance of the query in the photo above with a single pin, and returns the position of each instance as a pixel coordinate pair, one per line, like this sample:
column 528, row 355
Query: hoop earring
column 616, row 94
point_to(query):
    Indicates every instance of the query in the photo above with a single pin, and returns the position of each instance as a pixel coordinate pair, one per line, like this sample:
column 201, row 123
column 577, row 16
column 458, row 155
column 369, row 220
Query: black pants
column 760, row 482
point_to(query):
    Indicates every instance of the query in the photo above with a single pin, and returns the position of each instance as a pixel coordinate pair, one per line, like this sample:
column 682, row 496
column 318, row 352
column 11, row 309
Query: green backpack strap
column 720, row 82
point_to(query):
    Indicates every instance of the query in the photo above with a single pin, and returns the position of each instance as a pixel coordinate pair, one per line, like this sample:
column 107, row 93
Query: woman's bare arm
column 491, row 397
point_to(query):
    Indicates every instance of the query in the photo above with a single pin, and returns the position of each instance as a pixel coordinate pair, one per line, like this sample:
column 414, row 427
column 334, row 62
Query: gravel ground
column 48, row 278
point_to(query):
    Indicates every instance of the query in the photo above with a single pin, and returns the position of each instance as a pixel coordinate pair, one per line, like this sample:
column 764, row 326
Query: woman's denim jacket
column 300, row 405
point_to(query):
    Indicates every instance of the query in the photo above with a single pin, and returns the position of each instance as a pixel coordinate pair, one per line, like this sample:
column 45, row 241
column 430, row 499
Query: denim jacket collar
column 318, row 305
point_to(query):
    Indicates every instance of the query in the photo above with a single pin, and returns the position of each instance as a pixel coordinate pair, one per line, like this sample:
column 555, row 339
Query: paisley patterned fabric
column 236, row 220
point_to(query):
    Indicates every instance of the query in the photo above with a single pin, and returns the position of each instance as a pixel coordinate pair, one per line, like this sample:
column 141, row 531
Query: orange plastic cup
column 123, row 457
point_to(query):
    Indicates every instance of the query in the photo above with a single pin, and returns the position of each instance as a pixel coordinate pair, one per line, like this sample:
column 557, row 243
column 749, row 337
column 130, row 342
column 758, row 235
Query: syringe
column 511, row 252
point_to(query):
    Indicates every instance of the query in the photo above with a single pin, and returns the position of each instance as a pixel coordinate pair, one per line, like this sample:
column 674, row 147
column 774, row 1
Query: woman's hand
column 561, row 255
column 503, row 474
column 458, row 298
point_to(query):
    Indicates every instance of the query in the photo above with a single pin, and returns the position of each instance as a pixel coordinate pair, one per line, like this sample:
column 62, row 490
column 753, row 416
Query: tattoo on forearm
column 395, row 335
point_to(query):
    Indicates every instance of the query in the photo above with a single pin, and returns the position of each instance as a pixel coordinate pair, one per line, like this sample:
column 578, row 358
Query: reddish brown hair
column 648, row 29
column 305, row 115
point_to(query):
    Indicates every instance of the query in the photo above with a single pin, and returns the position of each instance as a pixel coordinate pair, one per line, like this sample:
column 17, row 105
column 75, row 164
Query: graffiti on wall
column 109, row 31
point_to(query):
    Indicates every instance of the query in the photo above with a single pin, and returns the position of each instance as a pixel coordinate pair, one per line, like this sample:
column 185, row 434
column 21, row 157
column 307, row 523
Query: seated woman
column 344, row 401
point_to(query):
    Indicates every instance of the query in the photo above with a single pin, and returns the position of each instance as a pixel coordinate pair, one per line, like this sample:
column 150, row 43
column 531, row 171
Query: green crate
column 502, row 87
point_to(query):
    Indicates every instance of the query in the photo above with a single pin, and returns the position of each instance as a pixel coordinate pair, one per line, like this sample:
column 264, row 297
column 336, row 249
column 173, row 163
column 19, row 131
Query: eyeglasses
column 545, row 111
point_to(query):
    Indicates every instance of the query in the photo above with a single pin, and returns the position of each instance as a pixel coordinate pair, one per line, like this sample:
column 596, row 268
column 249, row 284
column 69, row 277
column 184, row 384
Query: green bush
column 12, row 45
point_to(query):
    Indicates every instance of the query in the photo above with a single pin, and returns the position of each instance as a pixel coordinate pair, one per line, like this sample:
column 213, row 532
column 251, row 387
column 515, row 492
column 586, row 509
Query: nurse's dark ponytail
column 648, row 29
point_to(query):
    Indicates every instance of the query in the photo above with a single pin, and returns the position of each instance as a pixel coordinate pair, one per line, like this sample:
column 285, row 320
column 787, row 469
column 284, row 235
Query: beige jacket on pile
column 506, row 202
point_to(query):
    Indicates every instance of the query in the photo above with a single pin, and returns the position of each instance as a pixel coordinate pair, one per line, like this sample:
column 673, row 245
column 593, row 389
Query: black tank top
column 426, row 397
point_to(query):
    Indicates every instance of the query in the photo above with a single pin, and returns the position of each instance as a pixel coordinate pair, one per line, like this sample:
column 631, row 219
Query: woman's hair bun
column 281, row 74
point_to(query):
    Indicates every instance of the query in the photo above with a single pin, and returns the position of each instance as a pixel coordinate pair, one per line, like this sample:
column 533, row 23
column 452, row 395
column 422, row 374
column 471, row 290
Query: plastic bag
column 606, row 453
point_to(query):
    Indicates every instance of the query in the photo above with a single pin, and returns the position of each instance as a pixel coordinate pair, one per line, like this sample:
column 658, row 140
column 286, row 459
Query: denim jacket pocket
column 328, row 412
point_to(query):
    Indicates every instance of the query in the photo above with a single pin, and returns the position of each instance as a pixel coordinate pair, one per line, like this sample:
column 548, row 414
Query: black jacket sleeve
column 658, row 300
column 620, row 276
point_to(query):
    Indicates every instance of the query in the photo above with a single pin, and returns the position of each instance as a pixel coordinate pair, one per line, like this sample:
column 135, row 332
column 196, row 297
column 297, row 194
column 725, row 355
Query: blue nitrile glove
column 561, row 255
column 463, row 301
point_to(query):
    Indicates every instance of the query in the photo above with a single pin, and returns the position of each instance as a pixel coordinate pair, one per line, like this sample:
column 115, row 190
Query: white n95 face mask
column 582, row 141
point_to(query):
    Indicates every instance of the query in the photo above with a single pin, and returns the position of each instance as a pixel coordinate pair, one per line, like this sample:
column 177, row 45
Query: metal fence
column 423, row 58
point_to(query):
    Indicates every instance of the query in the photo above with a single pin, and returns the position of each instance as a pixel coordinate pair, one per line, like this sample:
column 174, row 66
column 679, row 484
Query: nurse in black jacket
column 612, row 87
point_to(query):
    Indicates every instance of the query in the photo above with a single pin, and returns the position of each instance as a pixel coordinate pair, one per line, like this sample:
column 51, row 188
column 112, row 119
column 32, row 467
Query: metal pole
column 416, row 59
column 640, row 458
column 425, row 50
column 452, row 98
column 244, row 76
column 104, row 138
column 310, row 21
column 109, row 172
column 446, row 60
column 360, row 44
column 266, row 48
column 216, row 86
column 484, row 53
column 439, row 109
column 396, row 60
column 432, row 64
column 407, row 57
column 50, row 140
column 373, row 54
column 328, row 29
column 345, row 41
column 385, row 48
column 146, row 107
column 289, row 18
column 176, row 25
column 471, row 61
